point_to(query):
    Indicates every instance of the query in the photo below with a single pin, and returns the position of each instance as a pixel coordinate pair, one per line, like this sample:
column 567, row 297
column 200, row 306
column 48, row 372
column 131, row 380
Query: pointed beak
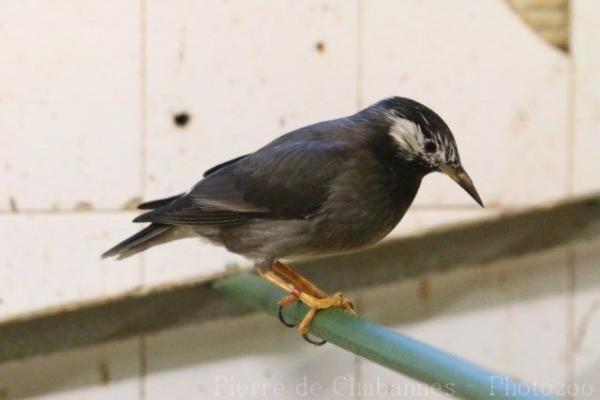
column 460, row 176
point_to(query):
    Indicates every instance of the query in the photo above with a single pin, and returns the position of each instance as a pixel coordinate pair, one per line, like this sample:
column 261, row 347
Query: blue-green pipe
column 385, row 346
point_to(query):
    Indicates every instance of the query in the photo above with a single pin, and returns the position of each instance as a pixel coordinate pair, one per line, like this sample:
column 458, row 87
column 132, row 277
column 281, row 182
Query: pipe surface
column 385, row 346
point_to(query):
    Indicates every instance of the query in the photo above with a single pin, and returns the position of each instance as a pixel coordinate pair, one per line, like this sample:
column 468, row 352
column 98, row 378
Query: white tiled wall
column 586, row 81
column 245, row 72
column 501, row 89
column 88, row 93
column 50, row 260
column 69, row 105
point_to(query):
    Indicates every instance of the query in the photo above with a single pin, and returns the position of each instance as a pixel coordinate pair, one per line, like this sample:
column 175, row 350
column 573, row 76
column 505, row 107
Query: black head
column 422, row 137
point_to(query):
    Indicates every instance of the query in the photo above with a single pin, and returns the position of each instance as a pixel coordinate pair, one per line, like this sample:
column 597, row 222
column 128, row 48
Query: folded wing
column 286, row 180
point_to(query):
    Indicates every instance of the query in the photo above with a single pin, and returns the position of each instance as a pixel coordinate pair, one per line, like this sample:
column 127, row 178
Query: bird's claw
column 314, row 304
column 286, row 302
column 306, row 337
column 282, row 318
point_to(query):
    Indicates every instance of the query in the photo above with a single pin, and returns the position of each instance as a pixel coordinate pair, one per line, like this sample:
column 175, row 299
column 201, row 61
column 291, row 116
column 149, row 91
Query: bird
column 331, row 187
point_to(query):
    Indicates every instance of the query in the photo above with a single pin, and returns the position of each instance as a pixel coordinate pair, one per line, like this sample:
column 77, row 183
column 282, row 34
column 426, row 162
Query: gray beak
column 460, row 176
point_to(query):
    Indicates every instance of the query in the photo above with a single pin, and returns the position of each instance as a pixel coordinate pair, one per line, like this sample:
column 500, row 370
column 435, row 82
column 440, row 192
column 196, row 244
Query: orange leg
column 299, row 281
column 305, row 291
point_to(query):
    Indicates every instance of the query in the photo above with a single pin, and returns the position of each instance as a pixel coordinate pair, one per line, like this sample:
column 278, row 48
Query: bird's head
column 422, row 137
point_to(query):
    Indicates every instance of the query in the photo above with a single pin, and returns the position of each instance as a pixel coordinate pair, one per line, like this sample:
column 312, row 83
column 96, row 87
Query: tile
column 69, row 107
column 586, row 347
column 249, row 357
column 586, row 54
column 509, row 316
column 101, row 372
column 509, row 118
column 244, row 73
column 54, row 260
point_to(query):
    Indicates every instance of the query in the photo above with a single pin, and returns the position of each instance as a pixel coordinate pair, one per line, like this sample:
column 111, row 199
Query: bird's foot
column 300, row 289
column 315, row 305
column 284, row 302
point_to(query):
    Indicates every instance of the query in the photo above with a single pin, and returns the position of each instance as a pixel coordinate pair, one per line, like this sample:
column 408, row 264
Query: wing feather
column 284, row 180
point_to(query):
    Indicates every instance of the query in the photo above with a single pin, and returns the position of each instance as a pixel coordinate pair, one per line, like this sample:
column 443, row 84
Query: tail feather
column 145, row 238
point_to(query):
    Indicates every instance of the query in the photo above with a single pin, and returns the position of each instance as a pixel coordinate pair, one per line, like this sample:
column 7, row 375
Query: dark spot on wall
column 282, row 122
column 104, row 372
column 520, row 121
column 84, row 206
column 181, row 54
column 320, row 47
column 182, row 44
column 181, row 119
column 132, row 203
column 12, row 203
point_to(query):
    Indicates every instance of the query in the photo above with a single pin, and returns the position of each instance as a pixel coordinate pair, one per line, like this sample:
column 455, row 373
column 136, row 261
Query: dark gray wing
column 288, row 179
column 217, row 167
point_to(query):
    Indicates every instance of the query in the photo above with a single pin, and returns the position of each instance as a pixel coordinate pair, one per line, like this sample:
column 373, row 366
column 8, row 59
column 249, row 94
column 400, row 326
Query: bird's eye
column 430, row 147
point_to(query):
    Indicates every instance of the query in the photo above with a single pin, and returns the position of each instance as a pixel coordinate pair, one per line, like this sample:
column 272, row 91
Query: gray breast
column 261, row 239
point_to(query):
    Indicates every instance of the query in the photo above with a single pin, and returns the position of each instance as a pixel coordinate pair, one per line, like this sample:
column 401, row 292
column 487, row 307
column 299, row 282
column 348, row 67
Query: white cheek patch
column 411, row 142
column 409, row 137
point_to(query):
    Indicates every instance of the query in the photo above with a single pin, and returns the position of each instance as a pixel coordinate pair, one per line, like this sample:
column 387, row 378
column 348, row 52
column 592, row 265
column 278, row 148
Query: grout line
column 463, row 207
column 359, row 54
column 414, row 207
column 358, row 363
column 33, row 212
column 142, row 100
column 143, row 120
column 570, row 326
column 142, row 367
column 143, row 167
column 571, row 108
column 570, row 184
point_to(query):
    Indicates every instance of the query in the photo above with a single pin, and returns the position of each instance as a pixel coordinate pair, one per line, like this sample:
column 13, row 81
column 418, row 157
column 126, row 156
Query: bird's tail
column 151, row 235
